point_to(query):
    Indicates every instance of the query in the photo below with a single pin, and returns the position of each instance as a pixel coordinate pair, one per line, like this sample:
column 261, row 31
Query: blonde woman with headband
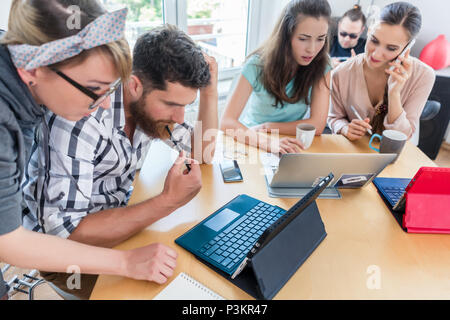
column 387, row 93
column 71, row 72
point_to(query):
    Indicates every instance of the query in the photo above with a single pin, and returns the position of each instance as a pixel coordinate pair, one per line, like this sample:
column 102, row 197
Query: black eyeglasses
column 351, row 35
column 97, row 99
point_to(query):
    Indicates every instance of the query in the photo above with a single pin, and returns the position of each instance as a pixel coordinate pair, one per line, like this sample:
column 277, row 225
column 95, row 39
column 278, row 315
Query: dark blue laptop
column 225, row 238
column 393, row 190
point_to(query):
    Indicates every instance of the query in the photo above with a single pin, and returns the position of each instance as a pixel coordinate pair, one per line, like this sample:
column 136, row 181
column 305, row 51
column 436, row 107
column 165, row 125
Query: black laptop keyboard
column 394, row 194
column 231, row 246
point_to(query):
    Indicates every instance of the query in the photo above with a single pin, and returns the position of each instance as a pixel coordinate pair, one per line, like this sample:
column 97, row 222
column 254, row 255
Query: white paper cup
column 305, row 134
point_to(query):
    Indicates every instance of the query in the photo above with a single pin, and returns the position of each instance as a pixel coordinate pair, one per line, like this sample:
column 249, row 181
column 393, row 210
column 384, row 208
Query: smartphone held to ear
column 230, row 171
column 402, row 54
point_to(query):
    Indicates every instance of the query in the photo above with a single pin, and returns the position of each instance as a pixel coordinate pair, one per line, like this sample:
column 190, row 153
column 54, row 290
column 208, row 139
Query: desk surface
column 366, row 255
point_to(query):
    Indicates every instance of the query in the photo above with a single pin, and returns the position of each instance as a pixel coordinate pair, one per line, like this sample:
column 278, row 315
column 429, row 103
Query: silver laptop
column 297, row 173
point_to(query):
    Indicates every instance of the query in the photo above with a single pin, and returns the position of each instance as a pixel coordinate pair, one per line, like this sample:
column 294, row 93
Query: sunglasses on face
column 97, row 99
column 351, row 35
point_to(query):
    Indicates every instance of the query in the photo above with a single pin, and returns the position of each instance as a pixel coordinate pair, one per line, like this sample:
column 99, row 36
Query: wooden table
column 366, row 255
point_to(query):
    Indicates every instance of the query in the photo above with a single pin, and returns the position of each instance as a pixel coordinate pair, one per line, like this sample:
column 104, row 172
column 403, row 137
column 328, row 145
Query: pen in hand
column 188, row 166
column 359, row 117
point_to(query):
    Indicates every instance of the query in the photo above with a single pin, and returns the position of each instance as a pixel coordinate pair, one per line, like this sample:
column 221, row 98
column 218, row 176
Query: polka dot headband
column 107, row 28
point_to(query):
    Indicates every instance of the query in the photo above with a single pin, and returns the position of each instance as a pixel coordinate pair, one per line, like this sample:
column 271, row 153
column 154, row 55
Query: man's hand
column 335, row 62
column 182, row 186
column 155, row 262
column 356, row 129
column 213, row 70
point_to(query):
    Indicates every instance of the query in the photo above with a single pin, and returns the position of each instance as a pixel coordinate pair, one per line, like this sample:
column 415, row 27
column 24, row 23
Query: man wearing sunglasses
column 80, row 187
column 348, row 41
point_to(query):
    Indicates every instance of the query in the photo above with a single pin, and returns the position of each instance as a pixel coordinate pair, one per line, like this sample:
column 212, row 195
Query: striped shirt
column 78, row 168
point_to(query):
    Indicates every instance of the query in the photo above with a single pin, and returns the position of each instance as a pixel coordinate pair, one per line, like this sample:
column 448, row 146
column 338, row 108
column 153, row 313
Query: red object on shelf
column 436, row 54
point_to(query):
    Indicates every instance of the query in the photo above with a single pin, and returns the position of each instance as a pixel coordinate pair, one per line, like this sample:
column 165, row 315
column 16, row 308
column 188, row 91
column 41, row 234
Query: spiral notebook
column 184, row 287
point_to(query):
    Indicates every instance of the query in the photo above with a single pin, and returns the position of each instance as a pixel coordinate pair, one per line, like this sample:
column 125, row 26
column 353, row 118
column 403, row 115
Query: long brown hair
column 277, row 60
column 36, row 22
column 409, row 17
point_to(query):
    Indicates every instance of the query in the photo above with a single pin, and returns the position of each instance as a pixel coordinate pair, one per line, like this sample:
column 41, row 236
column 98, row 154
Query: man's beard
column 151, row 127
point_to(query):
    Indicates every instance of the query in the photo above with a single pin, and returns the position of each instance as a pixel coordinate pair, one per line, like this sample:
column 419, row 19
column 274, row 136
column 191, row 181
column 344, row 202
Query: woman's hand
column 286, row 145
column 400, row 74
column 155, row 262
column 356, row 129
column 283, row 145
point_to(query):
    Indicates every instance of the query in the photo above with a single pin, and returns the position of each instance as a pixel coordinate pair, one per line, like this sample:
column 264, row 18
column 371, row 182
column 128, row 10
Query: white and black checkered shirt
column 84, row 167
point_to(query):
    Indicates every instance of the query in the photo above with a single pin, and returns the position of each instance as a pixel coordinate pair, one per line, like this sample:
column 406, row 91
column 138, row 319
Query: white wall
column 263, row 20
column 4, row 13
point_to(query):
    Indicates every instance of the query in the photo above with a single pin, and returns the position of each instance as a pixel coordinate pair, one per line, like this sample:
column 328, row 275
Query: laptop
column 297, row 173
column 228, row 236
column 393, row 190
column 419, row 204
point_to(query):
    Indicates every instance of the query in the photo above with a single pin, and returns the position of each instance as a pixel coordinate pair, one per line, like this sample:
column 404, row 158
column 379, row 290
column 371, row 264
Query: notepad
column 184, row 287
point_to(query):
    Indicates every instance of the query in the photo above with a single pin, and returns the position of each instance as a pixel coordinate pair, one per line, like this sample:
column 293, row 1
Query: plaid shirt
column 84, row 167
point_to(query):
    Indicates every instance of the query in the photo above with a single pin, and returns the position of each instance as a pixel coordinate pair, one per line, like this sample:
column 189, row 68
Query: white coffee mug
column 305, row 134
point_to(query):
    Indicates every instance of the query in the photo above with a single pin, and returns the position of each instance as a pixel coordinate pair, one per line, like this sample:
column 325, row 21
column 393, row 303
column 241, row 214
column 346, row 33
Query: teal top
column 260, row 105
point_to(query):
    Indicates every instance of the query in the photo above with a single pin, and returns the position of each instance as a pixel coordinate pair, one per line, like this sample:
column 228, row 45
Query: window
column 220, row 27
column 143, row 15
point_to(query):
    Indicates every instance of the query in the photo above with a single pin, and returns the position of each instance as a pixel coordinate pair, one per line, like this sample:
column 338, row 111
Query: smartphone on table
column 230, row 171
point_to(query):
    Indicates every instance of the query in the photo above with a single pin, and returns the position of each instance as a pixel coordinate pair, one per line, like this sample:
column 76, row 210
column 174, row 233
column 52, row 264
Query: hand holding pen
column 181, row 185
column 175, row 142
column 357, row 128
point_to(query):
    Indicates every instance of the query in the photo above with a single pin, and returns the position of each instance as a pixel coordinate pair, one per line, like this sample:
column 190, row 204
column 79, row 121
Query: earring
column 31, row 83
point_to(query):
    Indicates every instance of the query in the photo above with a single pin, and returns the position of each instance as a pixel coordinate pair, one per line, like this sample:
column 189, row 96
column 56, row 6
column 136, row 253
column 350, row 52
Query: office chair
column 433, row 124
column 26, row 285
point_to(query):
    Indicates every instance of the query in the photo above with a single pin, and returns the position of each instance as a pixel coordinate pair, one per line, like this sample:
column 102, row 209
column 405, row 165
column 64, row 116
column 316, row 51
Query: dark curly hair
column 167, row 54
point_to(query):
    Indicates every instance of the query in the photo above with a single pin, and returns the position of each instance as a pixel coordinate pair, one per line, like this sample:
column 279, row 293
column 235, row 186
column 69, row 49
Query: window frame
column 180, row 18
column 175, row 13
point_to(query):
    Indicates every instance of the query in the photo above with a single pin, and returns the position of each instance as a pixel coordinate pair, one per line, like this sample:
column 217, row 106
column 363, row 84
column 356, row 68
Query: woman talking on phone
column 386, row 86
